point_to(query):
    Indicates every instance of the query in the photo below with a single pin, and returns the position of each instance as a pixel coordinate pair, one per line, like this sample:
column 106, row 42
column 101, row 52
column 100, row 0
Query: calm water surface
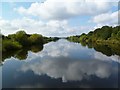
column 61, row 64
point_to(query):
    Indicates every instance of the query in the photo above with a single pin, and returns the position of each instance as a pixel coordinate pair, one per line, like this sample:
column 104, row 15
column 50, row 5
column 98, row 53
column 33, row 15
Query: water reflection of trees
column 108, row 50
column 21, row 54
column 104, row 49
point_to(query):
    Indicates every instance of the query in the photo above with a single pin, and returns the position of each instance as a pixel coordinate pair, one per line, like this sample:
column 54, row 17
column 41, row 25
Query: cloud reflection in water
column 68, row 61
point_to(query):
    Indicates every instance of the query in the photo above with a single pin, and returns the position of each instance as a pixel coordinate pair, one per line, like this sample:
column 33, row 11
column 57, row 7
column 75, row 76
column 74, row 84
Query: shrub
column 10, row 45
column 36, row 39
column 22, row 38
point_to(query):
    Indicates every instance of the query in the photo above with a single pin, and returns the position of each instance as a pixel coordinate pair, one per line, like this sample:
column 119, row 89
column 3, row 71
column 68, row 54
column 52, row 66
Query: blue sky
column 52, row 18
column 8, row 11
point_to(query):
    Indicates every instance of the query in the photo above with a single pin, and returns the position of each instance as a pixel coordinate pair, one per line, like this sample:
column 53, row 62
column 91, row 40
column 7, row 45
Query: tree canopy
column 21, row 39
column 105, row 34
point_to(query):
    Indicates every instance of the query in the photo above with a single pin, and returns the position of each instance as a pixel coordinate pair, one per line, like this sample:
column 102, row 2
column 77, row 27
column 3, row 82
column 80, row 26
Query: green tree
column 10, row 45
column 106, row 32
column 22, row 38
column 118, row 34
column 12, row 36
column 36, row 39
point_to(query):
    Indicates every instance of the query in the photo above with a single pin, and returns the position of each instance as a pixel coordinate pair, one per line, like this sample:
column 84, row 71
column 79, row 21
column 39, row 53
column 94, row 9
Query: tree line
column 21, row 39
column 105, row 39
column 105, row 34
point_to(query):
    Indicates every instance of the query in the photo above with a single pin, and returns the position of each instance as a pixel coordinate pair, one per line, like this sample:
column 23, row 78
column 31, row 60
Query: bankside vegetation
column 20, row 40
column 106, row 35
column 105, row 40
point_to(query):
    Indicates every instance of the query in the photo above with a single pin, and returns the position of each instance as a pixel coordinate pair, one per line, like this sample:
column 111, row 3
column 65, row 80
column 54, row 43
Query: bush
column 36, row 39
column 22, row 38
column 10, row 45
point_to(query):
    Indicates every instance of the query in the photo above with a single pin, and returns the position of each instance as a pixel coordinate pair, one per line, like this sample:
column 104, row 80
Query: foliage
column 105, row 34
column 10, row 45
column 20, row 43
column 105, row 40
column 36, row 39
column 21, row 40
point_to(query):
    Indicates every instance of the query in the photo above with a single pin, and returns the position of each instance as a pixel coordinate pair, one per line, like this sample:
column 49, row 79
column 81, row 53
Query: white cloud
column 56, row 0
column 57, row 13
column 110, row 18
column 6, row 26
column 50, row 28
column 52, row 9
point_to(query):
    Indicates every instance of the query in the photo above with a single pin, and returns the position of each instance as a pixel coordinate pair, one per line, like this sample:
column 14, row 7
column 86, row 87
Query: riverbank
column 108, row 37
column 21, row 39
column 105, row 35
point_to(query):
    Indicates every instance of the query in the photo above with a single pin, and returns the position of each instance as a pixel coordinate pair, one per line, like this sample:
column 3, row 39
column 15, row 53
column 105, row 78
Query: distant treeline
column 21, row 40
column 106, row 35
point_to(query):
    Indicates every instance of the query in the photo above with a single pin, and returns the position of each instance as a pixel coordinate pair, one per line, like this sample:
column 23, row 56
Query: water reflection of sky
column 63, row 48
column 62, row 60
